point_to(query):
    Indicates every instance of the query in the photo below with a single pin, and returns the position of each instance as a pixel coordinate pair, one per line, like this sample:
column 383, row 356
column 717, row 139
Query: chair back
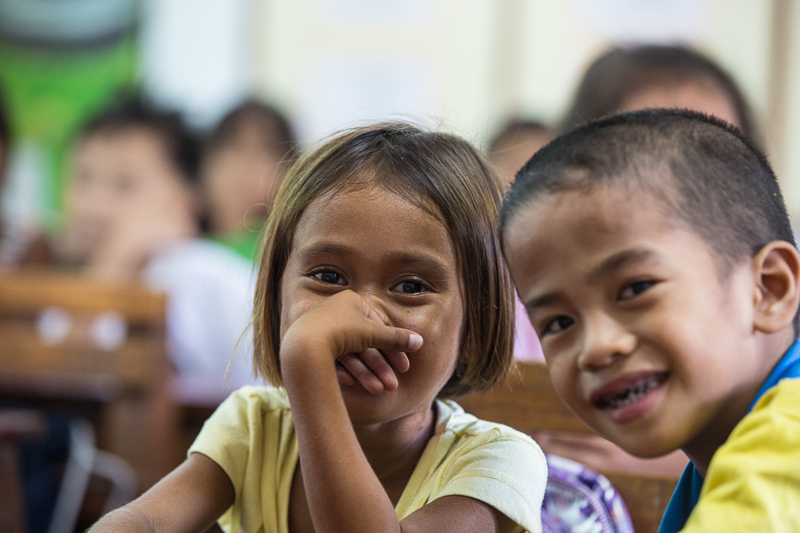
column 528, row 402
column 69, row 341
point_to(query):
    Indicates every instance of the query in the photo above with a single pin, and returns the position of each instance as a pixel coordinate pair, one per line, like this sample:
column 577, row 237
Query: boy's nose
column 605, row 341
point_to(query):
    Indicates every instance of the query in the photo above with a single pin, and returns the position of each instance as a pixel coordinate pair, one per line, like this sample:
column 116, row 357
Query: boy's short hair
column 274, row 127
column 181, row 144
column 443, row 175
column 704, row 172
column 626, row 71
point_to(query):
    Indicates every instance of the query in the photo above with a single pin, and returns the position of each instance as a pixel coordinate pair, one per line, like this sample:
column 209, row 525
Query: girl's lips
column 628, row 396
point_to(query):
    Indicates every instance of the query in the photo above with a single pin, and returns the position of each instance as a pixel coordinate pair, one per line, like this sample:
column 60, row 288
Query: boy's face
column 120, row 178
column 644, row 340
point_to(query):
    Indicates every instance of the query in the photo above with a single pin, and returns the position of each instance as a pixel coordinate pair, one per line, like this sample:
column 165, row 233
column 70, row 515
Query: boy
column 131, row 213
column 654, row 256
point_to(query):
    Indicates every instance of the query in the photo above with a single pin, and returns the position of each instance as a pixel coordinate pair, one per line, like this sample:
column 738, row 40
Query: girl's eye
column 329, row 277
column 411, row 287
column 634, row 289
column 557, row 325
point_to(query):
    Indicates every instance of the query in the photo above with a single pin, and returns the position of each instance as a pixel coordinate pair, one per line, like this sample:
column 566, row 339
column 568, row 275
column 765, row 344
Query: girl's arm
column 189, row 499
column 343, row 492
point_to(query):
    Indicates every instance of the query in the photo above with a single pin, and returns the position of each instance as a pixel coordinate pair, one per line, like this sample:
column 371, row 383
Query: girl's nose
column 605, row 341
column 377, row 303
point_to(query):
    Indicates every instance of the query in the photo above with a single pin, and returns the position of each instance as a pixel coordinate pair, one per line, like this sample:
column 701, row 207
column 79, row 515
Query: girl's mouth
column 619, row 397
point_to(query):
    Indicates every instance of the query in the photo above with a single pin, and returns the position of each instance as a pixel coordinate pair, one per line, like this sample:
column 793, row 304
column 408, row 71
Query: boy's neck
column 702, row 449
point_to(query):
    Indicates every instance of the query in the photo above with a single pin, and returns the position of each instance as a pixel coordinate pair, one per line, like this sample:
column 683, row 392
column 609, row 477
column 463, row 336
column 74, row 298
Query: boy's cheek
column 565, row 383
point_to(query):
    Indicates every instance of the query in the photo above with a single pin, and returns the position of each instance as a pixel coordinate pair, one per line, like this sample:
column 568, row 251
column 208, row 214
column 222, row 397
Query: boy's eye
column 557, row 325
column 328, row 276
column 411, row 287
column 634, row 289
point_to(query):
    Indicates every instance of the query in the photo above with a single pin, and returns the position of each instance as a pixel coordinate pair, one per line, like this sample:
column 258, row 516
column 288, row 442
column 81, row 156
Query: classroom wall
column 466, row 65
column 460, row 65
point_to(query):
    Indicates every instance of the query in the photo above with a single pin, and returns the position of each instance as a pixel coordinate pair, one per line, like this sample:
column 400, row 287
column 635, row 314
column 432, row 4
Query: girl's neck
column 394, row 448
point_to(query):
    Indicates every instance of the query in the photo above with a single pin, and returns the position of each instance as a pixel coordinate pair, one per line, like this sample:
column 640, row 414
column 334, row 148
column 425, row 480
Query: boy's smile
column 646, row 340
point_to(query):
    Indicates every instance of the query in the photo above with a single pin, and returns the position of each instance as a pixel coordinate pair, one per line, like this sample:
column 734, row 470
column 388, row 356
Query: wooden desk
column 15, row 426
column 55, row 353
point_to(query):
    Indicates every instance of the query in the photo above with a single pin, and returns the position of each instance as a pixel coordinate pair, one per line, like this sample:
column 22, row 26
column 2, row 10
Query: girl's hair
column 275, row 131
column 442, row 174
column 626, row 71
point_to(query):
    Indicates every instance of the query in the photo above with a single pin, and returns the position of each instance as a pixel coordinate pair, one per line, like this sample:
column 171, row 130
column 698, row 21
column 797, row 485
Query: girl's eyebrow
column 401, row 258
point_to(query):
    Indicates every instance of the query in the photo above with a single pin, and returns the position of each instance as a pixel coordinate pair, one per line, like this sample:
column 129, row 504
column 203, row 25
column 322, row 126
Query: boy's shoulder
column 756, row 463
column 777, row 410
column 770, row 432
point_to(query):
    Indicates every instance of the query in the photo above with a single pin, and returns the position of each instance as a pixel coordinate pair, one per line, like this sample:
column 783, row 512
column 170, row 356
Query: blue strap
column 687, row 492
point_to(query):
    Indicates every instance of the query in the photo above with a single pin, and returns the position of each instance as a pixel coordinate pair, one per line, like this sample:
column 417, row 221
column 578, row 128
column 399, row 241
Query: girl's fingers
column 361, row 373
column 379, row 366
column 344, row 377
column 398, row 361
column 379, row 336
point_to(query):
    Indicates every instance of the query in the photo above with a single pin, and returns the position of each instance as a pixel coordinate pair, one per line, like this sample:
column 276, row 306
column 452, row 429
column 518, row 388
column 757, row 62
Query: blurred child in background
column 511, row 148
column 246, row 157
column 636, row 77
column 514, row 144
column 131, row 212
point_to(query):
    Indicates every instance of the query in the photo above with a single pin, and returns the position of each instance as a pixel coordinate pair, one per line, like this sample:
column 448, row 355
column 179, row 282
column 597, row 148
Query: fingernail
column 414, row 341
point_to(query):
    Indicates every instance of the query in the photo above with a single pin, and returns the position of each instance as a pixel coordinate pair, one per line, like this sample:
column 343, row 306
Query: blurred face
column 240, row 181
column 702, row 97
column 511, row 155
column 112, row 177
column 643, row 339
column 402, row 261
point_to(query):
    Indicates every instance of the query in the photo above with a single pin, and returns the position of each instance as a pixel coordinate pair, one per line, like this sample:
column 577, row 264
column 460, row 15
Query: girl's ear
column 776, row 269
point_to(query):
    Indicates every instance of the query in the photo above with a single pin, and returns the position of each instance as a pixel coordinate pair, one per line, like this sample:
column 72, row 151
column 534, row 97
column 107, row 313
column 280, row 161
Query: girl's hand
column 345, row 327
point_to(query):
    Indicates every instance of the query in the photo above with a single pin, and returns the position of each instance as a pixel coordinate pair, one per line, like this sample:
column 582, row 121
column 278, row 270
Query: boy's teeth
column 632, row 395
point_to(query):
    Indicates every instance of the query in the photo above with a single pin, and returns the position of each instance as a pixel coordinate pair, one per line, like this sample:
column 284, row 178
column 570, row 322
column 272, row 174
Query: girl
column 381, row 290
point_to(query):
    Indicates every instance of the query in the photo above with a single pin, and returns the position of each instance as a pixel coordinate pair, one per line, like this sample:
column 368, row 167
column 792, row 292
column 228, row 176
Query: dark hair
column 623, row 72
column 513, row 129
column 181, row 144
column 702, row 171
column 275, row 129
column 444, row 175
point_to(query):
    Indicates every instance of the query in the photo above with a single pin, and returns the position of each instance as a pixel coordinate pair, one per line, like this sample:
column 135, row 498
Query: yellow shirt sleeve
column 753, row 481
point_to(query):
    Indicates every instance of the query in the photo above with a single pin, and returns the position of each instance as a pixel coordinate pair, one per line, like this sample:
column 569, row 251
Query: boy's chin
column 645, row 450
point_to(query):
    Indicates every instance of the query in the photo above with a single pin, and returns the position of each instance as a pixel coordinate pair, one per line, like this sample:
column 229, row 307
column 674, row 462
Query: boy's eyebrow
column 617, row 261
column 609, row 264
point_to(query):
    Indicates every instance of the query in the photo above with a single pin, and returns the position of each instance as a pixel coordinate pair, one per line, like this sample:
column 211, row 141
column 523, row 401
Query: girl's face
column 694, row 95
column 240, row 181
column 402, row 261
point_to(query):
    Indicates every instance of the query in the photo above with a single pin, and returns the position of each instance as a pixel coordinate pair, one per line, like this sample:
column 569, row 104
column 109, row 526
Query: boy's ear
column 776, row 268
